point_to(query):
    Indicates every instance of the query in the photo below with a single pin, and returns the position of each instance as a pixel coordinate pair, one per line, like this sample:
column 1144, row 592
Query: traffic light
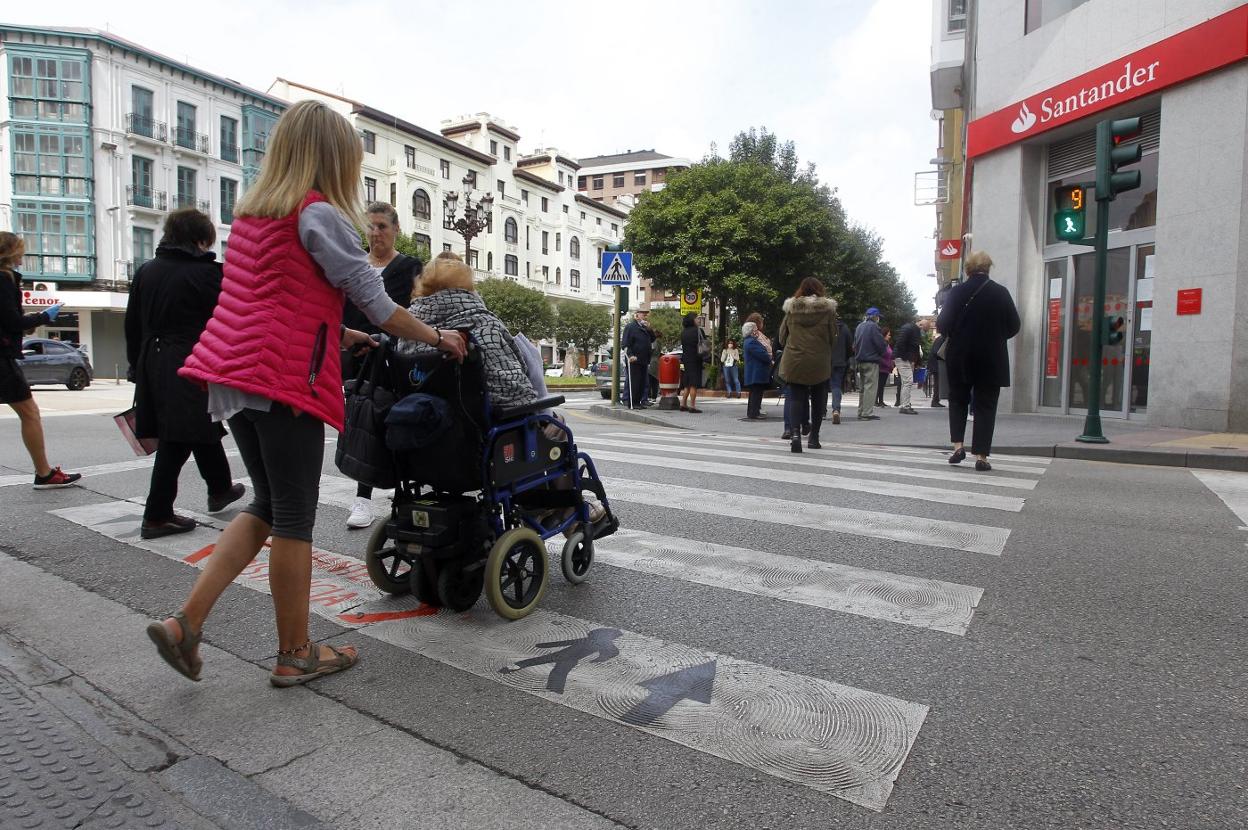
column 1115, row 329
column 1113, row 152
column 1069, row 220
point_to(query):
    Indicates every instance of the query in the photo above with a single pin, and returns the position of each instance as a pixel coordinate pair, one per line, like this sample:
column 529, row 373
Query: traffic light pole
column 1092, row 433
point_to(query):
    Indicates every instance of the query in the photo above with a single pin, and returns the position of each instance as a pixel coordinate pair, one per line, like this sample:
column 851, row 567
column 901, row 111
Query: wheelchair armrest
column 511, row 413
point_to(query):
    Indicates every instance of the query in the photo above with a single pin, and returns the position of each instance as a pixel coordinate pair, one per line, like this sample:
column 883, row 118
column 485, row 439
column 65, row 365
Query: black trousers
column 638, row 380
column 985, row 407
column 754, row 403
column 214, row 468
column 810, row 404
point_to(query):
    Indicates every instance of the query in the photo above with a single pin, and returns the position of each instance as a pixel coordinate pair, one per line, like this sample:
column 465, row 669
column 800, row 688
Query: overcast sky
column 847, row 80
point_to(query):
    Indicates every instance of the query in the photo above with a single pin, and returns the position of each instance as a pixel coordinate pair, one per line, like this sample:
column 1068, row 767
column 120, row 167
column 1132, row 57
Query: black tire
column 606, row 394
column 422, row 580
column 387, row 568
column 78, row 380
column 459, row 588
column 516, row 573
column 578, row 556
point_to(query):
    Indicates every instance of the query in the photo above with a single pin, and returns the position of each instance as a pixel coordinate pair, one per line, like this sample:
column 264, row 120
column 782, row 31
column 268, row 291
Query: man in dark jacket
column 842, row 351
column 637, row 342
column 907, row 352
column 978, row 319
column 869, row 346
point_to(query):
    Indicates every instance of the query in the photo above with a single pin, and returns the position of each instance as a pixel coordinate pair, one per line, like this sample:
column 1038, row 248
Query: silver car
column 53, row 362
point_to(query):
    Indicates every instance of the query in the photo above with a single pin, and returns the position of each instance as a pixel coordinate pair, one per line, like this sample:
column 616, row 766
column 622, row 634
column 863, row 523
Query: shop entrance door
column 1113, row 357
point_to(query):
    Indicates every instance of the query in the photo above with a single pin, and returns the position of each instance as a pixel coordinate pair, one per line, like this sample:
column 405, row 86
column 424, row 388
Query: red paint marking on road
column 385, row 616
column 199, row 555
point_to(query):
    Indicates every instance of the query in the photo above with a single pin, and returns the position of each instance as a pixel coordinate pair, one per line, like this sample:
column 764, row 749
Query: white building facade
column 1039, row 75
column 102, row 139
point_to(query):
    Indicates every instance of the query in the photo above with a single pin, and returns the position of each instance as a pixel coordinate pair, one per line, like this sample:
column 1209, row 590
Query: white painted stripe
column 843, row 741
column 935, row 458
column 1034, row 460
column 815, row 458
column 897, row 527
column 900, row 490
column 341, row 588
column 1231, row 488
column 96, row 470
column 879, row 595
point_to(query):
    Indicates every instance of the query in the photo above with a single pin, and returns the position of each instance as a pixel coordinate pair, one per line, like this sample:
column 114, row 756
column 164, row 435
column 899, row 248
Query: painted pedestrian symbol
column 694, row 683
column 599, row 641
column 617, row 268
column 616, row 271
column 1070, row 225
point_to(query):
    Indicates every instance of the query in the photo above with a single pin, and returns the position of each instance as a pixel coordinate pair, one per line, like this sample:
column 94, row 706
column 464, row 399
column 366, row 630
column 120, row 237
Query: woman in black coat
column 172, row 298
column 691, row 338
column 977, row 319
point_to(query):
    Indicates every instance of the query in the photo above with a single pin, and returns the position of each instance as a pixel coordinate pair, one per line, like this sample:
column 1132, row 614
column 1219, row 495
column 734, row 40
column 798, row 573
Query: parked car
column 46, row 362
column 556, row 371
column 602, row 379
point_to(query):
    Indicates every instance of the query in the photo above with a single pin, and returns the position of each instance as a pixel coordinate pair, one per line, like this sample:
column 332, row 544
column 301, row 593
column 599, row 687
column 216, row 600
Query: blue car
column 51, row 362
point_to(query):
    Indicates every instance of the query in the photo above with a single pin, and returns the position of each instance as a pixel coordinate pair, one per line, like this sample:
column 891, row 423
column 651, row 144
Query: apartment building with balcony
column 102, row 137
column 942, row 185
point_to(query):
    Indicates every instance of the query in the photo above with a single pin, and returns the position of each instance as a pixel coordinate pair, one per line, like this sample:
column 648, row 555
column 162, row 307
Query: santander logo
column 1025, row 121
column 949, row 250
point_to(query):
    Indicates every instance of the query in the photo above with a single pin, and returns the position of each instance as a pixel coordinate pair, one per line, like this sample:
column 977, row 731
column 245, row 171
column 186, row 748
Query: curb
column 621, row 414
column 1231, row 460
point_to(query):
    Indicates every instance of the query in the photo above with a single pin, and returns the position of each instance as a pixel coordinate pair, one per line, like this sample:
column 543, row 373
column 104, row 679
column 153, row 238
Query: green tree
column 521, row 309
column 582, row 327
column 667, row 324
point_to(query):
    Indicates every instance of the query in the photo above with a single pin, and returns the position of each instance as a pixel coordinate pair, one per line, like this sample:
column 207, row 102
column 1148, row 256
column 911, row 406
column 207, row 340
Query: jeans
column 868, row 378
column 905, row 374
column 834, row 386
column 982, row 399
column 170, row 456
column 808, row 404
column 732, row 383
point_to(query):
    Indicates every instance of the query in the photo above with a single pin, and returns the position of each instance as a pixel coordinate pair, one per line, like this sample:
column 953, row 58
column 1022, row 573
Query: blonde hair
column 12, row 249
column 978, row 262
column 311, row 148
column 446, row 270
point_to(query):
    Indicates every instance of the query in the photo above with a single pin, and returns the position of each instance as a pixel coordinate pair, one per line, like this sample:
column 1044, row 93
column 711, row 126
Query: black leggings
column 810, row 404
column 283, row 453
column 170, row 457
column 985, row 408
column 754, row 403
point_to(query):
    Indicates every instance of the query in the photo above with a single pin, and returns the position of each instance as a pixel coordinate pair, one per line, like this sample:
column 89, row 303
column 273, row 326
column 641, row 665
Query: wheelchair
column 472, row 510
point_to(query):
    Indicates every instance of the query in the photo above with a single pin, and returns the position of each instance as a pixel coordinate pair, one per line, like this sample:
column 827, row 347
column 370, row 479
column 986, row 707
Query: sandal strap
column 190, row 639
column 313, row 662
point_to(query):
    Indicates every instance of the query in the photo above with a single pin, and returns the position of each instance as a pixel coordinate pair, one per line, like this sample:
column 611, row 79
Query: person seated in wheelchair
column 446, row 297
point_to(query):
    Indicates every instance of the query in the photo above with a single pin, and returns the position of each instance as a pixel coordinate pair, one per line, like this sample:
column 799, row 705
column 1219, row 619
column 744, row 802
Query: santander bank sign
column 1204, row 48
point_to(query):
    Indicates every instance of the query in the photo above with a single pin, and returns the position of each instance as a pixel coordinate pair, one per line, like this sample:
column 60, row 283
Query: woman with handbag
column 172, row 298
column 270, row 362
column 399, row 273
column 692, row 344
column 977, row 320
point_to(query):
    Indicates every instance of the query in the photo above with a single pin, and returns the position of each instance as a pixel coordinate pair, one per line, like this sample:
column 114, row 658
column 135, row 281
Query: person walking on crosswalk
column 869, row 349
column 808, row 333
column 13, row 387
column 269, row 359
column 978, row 319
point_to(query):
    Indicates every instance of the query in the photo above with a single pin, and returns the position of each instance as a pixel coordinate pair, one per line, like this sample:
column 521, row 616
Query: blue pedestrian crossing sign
column 617, row 267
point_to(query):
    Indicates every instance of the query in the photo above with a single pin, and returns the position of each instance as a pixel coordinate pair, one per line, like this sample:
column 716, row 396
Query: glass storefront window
column 1142, row 329
column 1113, row 358
column 1054, row 368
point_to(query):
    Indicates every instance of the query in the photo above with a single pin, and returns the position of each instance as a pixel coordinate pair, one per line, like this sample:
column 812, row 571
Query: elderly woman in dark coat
column 691, row 338
column 172, row 297
column 977, row 319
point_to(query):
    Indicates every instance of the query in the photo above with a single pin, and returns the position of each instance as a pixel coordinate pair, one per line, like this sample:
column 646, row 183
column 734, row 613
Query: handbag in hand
column 362, row 454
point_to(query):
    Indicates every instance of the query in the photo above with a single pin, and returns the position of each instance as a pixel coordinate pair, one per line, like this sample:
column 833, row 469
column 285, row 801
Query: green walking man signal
column 1070, row 220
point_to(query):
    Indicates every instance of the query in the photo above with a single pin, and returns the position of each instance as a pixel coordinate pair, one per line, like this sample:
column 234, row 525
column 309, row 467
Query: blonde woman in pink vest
column 269, row 359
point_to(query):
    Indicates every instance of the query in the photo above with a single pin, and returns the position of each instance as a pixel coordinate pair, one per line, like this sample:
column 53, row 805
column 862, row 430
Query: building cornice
column 393, row 121
column 585, row 200
column 533, row 178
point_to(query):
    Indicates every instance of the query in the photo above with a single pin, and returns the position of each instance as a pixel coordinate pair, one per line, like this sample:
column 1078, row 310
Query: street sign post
column 617, row 270
column 617, row 267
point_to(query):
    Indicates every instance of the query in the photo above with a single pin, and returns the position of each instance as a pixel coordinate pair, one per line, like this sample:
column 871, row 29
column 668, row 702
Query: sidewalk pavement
column 102, row 397
column 96, row 731
column 1131, row 442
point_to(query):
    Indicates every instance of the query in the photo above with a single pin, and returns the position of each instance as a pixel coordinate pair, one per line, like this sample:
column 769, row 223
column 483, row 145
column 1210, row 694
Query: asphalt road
column 1050, row 645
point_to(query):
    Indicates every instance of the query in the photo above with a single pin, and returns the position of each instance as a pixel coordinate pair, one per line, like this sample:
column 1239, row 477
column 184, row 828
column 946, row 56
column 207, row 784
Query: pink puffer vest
column 275, row 330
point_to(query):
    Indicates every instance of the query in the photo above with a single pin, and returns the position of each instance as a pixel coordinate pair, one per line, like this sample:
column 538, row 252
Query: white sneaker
column 361, row 514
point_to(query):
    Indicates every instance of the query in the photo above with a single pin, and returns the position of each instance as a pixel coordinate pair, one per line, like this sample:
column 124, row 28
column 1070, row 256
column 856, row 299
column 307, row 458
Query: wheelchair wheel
column 516, row 573
column 459, row 588
column 578, row 555
column 386, row 567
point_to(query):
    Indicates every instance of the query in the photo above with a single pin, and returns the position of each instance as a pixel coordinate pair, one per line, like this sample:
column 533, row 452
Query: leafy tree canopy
column 521, row 309
column 585, row 325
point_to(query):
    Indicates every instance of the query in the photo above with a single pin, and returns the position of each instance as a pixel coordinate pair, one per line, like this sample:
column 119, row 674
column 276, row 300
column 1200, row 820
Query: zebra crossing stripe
column 839, row 740
column 900, row 490
column 932, row 459
column 341, row 589
column 913, row 530
column 814, row 459
column 895, row 598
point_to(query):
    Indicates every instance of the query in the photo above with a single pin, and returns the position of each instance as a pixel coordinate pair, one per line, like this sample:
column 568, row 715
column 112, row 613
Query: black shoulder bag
column 362, row 453
column 944, row 346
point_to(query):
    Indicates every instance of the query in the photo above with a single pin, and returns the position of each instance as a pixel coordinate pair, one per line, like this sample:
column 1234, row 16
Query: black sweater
column 14, row 324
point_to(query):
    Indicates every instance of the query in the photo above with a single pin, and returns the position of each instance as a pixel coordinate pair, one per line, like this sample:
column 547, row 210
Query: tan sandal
column 312, row 666
column 181, row 654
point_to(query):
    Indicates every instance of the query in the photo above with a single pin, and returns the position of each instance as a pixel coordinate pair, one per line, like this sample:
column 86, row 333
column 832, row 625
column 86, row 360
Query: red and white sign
column 76, row 300
column 1053, row 352
column 1189, row 301
column 1211, row 45
column 949, row 248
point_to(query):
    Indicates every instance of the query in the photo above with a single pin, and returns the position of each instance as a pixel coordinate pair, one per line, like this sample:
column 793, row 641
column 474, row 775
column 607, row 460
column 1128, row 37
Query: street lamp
column 475, row 219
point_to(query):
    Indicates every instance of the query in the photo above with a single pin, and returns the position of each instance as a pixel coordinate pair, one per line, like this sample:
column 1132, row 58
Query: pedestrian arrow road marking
column 694, row 683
